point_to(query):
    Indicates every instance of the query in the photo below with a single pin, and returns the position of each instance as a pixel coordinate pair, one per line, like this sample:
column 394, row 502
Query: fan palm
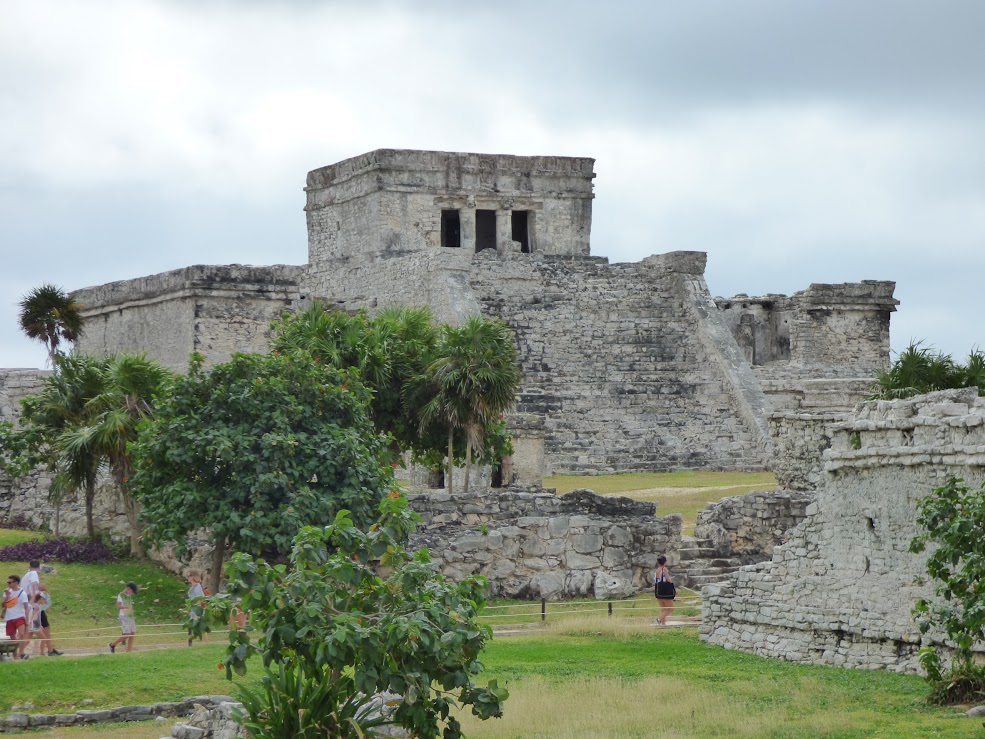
column 49, row 315
column 129, row 384
column 474, row 381
column 57, row 412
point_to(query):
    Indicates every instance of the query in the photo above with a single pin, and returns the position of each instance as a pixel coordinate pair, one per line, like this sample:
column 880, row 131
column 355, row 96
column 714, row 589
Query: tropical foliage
column 953, row 522
column 470, row 384
column 919, row 369
column 253, row 450
column 338, row 632
column 440, row 392
column 81, row 421
column 50, row 316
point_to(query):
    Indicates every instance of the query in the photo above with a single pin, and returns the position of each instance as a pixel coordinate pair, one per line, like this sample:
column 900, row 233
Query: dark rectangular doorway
column 521, row 231
column 485, row 230
column 451, row 228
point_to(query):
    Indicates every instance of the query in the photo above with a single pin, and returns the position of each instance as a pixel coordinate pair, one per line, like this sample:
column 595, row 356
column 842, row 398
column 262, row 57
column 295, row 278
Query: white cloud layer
column 783, row 140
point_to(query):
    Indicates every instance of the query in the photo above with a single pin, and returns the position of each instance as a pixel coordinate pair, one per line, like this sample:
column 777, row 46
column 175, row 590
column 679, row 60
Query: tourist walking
column 15, row 614
column 32, row 585
column 665, row 590
column 128, row 624
column 196, row 594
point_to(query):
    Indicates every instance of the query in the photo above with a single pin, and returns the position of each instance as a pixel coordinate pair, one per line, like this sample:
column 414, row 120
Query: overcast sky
column 795, row 142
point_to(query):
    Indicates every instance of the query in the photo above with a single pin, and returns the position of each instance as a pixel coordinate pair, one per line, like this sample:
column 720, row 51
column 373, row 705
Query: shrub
column 60, row 549
column 19, row 522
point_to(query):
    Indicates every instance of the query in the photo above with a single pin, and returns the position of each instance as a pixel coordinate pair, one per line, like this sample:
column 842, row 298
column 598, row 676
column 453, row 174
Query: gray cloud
column 794, row 142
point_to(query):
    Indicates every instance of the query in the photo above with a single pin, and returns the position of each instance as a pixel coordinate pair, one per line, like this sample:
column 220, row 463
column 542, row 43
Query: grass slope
column 685, row 493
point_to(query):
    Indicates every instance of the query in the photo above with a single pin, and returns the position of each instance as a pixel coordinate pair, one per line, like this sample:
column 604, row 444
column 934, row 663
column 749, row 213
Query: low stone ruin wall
column 799, row 441
column 841, row 590
column 539, row 545
column 751, row 525
column 18, row 721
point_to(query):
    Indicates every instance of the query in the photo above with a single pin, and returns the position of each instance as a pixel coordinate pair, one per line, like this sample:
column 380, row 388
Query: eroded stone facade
column 841, row 589
column 539, row 545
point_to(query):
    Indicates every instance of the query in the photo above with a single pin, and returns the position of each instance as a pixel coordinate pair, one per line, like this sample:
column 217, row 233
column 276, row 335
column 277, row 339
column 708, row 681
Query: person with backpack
column 664, row 589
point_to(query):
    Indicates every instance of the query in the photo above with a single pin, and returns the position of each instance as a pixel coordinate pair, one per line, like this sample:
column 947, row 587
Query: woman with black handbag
column 664, row 589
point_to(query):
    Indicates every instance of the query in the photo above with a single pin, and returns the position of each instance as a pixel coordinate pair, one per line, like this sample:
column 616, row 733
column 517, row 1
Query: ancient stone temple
column 629, row 366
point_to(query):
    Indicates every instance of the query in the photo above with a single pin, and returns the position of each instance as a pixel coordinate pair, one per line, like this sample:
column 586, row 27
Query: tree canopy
column 354, row 614
column 49, row 315
column 953, row 521
column 428, row 382
column 253, row 450
column 919, row 369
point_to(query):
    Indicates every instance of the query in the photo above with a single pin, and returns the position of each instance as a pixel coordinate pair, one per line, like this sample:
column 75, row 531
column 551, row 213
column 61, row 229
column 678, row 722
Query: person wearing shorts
column 128, row 624
column 15, row 606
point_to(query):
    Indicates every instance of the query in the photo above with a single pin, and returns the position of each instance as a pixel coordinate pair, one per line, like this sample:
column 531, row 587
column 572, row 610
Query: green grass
column 61, row 684
column 685, row 493
column 587, row 679
column 16, row 536
column 667, row 683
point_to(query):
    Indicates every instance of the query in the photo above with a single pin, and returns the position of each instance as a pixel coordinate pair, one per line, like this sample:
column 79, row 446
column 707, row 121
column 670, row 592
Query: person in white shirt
column 15, row 614
column 32, row 585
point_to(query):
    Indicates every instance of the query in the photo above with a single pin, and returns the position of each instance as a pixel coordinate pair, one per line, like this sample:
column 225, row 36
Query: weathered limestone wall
column 841, row 589
column 799, row 441
column 751, row 524
column 539, row 545
column 628, row 363
column 210, row 309
column 388, row 202
column 17, row 495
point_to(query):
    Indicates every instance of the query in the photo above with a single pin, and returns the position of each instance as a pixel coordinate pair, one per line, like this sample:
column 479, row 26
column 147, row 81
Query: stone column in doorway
column 466, row 220
column 504, row 230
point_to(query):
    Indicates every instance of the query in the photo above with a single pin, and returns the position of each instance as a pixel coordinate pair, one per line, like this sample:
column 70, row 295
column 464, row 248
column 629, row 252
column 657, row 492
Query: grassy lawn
column 686, row 493
column 593, row 681
column 60, row 685
column 15, row 536
column 583, row 678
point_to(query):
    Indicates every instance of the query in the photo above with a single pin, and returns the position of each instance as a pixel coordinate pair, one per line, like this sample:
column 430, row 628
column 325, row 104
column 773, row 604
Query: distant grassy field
column 686, row 493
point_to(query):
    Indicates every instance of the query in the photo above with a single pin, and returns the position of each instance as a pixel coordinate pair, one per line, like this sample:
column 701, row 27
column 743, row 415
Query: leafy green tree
column 339, row 632
column 387, row 351
column 920, row 369
column 953, row 523
column 129, row 384
column 49, row 315
column 48, row 421
column 253, row 450
column 471, row 383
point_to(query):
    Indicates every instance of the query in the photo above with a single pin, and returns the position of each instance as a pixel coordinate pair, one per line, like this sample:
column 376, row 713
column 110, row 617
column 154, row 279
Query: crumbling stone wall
column 799, row 441
column 751, row 525
column 213, row 310
column 18, row 497
column 840, row 591
column 628, row 363
column 539, row 545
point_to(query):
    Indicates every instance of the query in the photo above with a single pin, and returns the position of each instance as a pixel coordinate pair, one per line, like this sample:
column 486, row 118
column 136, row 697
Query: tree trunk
column 468, row 465
column 218, row 554
column 131, row 508
column 90, row 494
column 451, row 458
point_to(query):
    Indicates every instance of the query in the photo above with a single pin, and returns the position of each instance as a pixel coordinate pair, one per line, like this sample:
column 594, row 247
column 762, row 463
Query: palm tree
column 49, row 315
column 56, row 413
column 130, row 383
column 474, row 381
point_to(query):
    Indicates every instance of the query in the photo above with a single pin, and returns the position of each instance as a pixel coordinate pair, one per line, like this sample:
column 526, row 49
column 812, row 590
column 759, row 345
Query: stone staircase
column 699, row 564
